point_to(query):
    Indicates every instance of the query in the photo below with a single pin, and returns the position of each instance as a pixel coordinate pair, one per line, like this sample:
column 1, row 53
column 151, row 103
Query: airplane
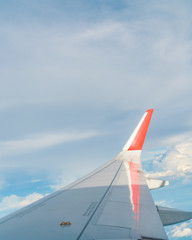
column 111, row 203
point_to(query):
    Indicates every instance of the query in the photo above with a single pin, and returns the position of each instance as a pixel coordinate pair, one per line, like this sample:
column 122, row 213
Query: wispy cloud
column 41, row 141
column 114, row 32
column 101, row 52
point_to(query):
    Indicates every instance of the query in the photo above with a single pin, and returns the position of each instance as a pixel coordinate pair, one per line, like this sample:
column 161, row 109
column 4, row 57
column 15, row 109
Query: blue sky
column 76, row 76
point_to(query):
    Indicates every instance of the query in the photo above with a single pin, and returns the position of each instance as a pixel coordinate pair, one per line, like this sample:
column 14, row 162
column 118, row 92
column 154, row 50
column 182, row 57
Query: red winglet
column 139, row 139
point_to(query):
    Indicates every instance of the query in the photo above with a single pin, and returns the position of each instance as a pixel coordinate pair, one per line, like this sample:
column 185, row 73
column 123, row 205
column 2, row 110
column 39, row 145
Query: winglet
column 137, row 139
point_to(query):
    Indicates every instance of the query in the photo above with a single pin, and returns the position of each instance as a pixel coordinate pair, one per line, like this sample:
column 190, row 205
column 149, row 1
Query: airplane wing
column 113, row 202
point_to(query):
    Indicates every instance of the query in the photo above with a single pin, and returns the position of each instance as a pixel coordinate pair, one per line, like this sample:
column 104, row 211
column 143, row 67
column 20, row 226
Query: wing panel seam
column 81, row 233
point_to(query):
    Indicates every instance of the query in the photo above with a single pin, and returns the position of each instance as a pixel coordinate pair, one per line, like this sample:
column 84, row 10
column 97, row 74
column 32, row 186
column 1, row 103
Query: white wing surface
column 113, row 202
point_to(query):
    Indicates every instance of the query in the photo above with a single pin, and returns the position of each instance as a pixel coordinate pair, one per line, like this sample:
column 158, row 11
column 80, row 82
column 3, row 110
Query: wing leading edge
column 113, row 202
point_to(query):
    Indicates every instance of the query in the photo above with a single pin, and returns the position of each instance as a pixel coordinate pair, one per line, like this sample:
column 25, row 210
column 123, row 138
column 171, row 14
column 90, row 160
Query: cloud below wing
column 14, row 202
column 182, row 230
column 176, row 161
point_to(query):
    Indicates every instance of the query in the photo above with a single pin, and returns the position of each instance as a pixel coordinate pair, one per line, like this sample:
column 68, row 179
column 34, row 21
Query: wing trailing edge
column 171, row 216
column 156, row 183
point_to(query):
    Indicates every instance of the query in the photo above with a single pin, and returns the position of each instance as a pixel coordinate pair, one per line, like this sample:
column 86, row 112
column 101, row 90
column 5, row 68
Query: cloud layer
column 41, row 141
column 105, row 57
column 96, row 63
column 175, row 161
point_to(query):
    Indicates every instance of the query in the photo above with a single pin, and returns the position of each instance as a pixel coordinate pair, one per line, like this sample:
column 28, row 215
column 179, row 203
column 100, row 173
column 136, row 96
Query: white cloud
column 182, row 230
column 41, row 141
column 114, row 32
column 176, row 161
column 14, row 202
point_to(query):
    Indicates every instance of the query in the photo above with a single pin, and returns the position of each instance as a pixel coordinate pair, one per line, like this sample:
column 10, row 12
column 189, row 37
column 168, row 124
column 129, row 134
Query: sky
column 75, row 79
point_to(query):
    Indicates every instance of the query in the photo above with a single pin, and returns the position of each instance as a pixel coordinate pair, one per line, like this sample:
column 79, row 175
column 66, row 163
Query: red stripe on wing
column 139, row 139
column 135, row 188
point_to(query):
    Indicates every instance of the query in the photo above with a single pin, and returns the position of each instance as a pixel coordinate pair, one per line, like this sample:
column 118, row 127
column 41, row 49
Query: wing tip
column 150, row 110
column 137, row 139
